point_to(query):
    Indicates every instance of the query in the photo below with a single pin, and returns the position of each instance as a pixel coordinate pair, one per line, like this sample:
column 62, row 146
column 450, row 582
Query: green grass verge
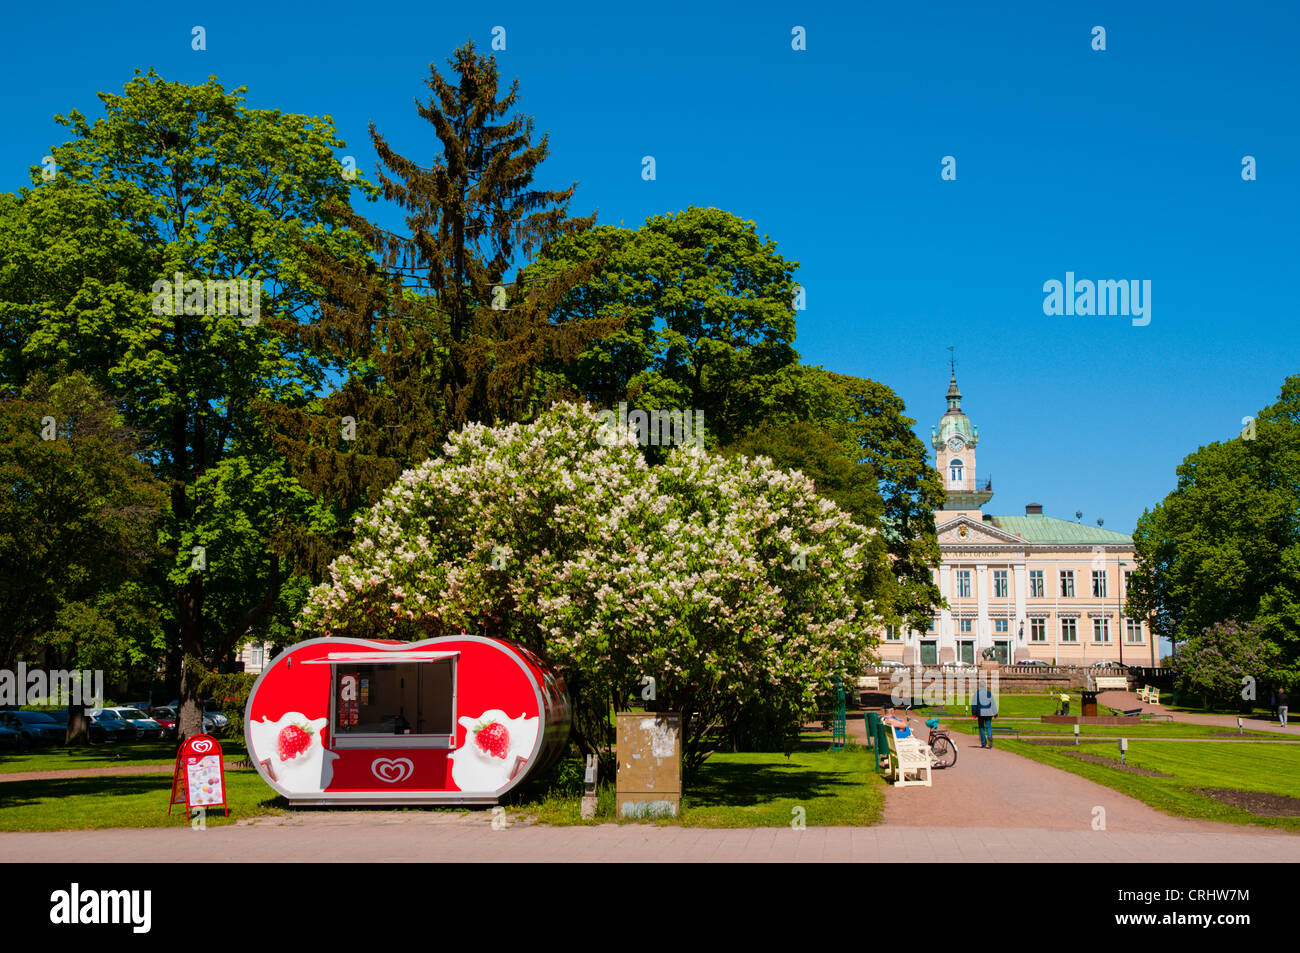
column 135, row 800
column 106, row 756
column 749, row 790
column 1272, row 769
column 1155, row 729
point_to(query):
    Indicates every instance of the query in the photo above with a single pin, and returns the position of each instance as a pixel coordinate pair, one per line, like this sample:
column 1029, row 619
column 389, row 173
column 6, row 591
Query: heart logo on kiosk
column 201, row 746
column 392, row 770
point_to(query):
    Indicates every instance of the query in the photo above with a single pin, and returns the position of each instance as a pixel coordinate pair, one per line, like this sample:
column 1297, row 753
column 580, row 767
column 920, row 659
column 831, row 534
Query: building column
column 983, row 629
column 1021, row 591
column 944, row 627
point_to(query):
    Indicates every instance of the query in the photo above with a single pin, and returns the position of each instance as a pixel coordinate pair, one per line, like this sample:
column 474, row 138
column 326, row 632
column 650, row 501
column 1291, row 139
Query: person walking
column 1281, row 706
column 985, row 707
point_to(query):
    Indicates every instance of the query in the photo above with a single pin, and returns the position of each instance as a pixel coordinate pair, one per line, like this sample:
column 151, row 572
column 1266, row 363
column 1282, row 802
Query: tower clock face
column 955, row 443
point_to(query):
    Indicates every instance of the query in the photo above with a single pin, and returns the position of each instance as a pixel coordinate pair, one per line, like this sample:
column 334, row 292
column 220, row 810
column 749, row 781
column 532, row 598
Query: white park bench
column 909, row 756
column 869, row 683
column 1110, row 682
column 1149, row 695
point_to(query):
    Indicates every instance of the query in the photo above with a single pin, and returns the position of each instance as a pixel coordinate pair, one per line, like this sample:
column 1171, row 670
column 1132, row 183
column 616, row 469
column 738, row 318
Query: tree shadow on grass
column 23, row 793
column 739, row 785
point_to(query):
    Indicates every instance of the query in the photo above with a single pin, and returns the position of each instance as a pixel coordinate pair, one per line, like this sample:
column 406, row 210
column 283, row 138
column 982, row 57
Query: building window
column 1000, row 583
column 1133, row 630
column 964, row 626
column 930, row 626
column 1035, row 583
column 963, row 583
column 1002, row 626
column 1067, row 583
column 955, row 471
column 1099, row 584
column 1069, row 630
column 892, row 634
column 1101, row 630
column 256, row 656
column 1037, row 630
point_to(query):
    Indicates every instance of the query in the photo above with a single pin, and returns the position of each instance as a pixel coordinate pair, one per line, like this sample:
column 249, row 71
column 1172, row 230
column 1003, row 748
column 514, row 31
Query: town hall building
column 1018, row 587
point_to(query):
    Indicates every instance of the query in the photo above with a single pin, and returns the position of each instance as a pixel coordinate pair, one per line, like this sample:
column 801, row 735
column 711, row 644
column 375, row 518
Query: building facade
column 1019, row 587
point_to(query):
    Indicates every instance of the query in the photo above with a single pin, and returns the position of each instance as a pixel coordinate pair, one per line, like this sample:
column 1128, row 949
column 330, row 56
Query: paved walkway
column 1125, row 701
column 388, row 837
column 989, row 787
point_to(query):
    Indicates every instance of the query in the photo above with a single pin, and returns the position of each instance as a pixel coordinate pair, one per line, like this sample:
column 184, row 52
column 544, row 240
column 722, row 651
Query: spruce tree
column 424, row 330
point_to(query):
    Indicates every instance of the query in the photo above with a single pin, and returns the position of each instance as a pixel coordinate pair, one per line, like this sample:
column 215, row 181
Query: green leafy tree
column 79, row 517
column 1225, row 544
column 185, row 179
column 709, row 318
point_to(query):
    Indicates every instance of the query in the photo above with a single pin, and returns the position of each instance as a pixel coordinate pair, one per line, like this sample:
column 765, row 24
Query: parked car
column 1110, row 664
column 95, row 732
column 165, row 717
column 146, row 729
column 168, row 717
column 211, row 715
column 890, row 664
column 1034, row 661
column 35, row 727
column 9, row 738
column 115, row 728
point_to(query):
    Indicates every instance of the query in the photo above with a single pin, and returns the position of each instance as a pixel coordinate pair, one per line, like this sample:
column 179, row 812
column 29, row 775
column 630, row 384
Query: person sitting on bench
column 902, row 729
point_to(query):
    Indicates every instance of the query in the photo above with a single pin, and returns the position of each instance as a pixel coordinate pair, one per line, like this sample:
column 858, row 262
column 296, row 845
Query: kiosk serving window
column 397, row 703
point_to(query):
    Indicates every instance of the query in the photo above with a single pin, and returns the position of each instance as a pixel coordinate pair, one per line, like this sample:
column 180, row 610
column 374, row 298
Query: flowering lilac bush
column 1228, row 663
column 727, row 581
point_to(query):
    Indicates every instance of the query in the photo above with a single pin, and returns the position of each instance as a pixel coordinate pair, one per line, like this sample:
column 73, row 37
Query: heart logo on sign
column 392, row 770
column 202, row 746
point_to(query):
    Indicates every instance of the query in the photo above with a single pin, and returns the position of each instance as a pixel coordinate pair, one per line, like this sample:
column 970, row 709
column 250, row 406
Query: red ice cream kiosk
column 454, row 720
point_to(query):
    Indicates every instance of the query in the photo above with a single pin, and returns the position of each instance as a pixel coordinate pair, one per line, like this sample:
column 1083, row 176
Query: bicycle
column 942, row 747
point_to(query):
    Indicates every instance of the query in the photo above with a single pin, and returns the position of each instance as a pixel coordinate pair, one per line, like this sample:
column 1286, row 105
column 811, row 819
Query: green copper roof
column 950, row 424
column 954, row 421
column 1047, row 529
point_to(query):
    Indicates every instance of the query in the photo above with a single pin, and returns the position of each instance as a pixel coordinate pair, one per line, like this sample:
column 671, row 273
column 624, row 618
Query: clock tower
column 954, row 442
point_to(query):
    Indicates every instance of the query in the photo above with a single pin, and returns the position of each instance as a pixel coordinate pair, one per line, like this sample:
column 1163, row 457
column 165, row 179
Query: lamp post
column 1119, row 609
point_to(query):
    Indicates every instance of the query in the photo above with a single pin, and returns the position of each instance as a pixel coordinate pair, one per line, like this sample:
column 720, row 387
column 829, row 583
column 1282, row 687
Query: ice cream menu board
column 199, row 779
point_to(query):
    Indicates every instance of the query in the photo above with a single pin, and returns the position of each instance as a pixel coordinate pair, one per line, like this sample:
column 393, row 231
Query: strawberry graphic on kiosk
column 459, row 719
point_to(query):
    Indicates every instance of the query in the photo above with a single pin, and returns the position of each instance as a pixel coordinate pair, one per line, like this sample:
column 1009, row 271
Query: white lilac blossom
column 611, row 568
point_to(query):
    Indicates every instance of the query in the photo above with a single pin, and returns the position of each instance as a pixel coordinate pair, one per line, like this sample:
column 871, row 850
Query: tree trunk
column 78, row 726
column 189, row 717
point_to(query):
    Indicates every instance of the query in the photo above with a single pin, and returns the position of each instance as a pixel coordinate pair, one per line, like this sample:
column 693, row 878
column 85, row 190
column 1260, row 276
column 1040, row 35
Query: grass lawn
column 750, row 790
column 107, row 756
column 1151, row 729
column 137, row 800
column 1270, row 769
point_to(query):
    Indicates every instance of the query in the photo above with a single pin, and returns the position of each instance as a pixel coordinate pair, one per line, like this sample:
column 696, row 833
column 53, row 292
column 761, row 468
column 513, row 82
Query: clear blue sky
column 1117, row 164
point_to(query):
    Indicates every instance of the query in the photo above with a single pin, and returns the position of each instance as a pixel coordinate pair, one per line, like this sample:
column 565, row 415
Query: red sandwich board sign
column 199, row 779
